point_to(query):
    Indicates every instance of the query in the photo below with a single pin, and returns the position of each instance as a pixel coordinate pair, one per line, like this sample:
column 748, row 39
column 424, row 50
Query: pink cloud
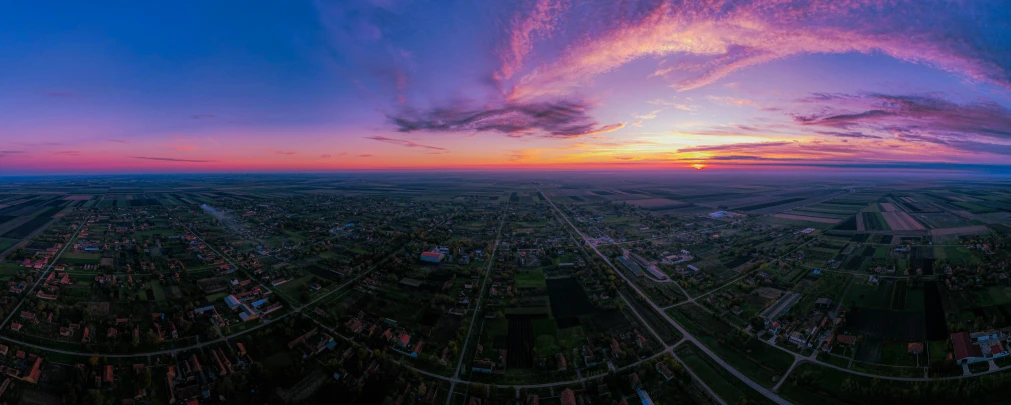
column 523, row 30
column 723, row 36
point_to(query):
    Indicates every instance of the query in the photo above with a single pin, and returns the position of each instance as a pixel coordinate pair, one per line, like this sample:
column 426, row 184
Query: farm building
column 431, row 257
column 232, row 302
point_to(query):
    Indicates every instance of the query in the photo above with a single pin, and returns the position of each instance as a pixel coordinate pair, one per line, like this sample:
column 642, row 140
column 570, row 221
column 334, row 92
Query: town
column 499, row 293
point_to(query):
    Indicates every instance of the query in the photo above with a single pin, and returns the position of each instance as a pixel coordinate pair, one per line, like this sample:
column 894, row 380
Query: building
column 482, row 366
column 432, row 257
column 980, row 346
column 568, row 397
column 232, row 302
column 644, row 397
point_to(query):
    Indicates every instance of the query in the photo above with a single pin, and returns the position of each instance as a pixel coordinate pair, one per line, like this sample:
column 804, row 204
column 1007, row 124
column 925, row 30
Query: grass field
column 897, row 354
column 159, row 293
column 995, row 295
column 530, row 279
column 760, row 362
column 6, row 243
column 868, row 295
column 728, row 387
column 571, row 337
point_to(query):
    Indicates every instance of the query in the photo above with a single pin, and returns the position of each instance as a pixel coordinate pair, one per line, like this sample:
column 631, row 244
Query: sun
column 699, row 166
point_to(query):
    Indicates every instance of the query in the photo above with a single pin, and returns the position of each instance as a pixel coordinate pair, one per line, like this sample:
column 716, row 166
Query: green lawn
column 980, row 367
column 937, row 349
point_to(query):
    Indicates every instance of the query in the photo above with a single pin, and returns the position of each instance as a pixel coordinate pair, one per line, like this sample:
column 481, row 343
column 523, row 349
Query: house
column 615, row 348
column 976, row 347
column 823, row 303
column 482, row 366
column 914, row 348
column 568, row 397
column 664, row 371
column 847, row 340
column 562, row 364
column 107, row 376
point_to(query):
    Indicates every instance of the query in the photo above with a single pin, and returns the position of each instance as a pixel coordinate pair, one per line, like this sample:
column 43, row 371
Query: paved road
column 798, row 359
column 477, row 304
column 193, row 346
column 44, row 273
column 688, row 336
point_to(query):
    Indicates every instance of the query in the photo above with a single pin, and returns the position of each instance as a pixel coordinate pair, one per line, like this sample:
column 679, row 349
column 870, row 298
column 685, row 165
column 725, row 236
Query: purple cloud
column 164, row 159
column 914, row 118
column 403, row 142
column 559, row 119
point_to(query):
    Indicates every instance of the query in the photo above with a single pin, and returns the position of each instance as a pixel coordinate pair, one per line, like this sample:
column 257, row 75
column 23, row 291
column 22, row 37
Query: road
column 477, row 305
column 44, row 273
column 770, row 394
column 687, row 336
column 193, row 346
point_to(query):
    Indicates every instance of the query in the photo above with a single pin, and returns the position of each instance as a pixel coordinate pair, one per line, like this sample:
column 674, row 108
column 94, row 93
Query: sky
column 228, row 86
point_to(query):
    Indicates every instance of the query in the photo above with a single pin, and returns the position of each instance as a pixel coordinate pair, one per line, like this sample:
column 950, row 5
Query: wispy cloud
column 733, row 147
column 732, row 101
column 165, row 159
column 648, row 116
column 724, row 36
column 201, row 116
column 117, row 140
column 980, row 126
column 11, row 152
column 557, row 119
column 325, row 156
column 68, row 152
column 366, row 155
column 403, row 142
column 524, row 28
column 674, row 104
column 285, row 152
column 852, row 134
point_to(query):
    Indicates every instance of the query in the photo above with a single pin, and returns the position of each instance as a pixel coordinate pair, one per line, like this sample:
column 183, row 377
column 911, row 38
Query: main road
column 687, row 336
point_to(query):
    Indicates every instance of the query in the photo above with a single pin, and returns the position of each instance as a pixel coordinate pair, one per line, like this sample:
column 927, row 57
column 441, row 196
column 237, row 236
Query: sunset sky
column 90, row 87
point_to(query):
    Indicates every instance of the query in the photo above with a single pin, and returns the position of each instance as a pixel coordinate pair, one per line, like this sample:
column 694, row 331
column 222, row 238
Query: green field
column 530, row 279
column 995, row 295
column 728, row 387
column 866, row 295
column 81, row 258
column 159, row 293
column 6, row 243
column 571, row 337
